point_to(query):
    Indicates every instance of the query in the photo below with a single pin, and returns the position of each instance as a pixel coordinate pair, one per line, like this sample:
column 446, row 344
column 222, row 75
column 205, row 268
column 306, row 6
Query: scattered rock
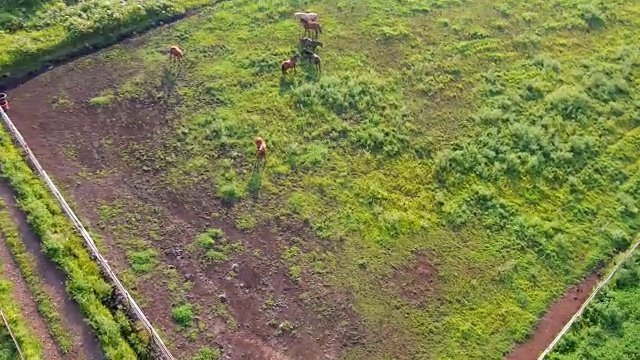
column 235, row 267
column 222, row 298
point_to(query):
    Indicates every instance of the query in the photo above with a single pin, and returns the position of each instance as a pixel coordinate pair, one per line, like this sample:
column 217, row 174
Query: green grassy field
column 29, row 343
column 609, row 327
column 27, row 265
column 63, row 245
column 37, row 32
column 497, row 139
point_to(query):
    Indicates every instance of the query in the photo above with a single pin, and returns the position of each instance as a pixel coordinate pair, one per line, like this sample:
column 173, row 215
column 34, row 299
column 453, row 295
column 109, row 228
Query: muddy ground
column 88, row 153
column 94, row 156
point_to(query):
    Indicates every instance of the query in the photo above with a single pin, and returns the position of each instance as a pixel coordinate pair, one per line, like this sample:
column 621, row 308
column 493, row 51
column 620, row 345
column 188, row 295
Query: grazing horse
column 261, row 146
column 314, row 59
column 290, row 64
column 175, row 53
column 306, row 16
column 309, row 25
column 306, row 42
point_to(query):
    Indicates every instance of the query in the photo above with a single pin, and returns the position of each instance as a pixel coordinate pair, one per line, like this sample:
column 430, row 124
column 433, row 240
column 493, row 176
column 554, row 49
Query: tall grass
column 27, row 340
column 61, row 243
column 35, row 33
column 497, row 139
column 27, row 265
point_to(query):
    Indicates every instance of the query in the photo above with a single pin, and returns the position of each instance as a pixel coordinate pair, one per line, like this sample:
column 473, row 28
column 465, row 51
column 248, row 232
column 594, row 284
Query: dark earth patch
column 96, row 154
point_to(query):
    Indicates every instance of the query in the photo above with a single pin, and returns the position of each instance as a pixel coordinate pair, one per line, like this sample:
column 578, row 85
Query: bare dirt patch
column 270, row 315
column 554, row 320
column 86, row 344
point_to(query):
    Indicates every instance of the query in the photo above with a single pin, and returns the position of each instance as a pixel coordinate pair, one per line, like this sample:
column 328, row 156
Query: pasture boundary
column 592, row 296
column 15, row 342
column 90, row 244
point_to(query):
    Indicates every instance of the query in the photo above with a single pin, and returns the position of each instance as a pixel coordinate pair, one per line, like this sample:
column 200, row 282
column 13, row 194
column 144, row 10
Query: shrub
column 207, row 354
column 183, row 314
column 230, row 192
column 569, row 101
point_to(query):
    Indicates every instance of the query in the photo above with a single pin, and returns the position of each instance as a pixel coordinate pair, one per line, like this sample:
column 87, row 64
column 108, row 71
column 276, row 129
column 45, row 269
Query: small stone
column 222, row 298
column 234, row 267
column 188, row 276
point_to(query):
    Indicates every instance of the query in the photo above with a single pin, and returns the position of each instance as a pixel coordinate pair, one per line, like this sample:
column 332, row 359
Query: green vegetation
column 27, row 265
column 183, row 314
column 103, row 100
column 27, row 340
column 207, row 354
column 214, row 247
column 62, row 244
column 610, row 326
column 498, row 138
column 37, row 32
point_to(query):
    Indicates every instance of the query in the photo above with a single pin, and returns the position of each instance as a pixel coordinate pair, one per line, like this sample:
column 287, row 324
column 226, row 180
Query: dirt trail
column 554, row 320
column 86, row 345
column 28, row 305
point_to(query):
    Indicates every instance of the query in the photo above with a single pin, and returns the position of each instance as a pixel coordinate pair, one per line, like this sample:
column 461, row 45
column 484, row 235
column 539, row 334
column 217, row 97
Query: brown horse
column 175, row 53
column 306, row 42
column 261, row 146
column 309, row 25
column 314, row 59
column 290, row 64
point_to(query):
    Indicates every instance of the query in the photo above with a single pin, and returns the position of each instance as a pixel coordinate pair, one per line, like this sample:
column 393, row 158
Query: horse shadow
column 311, row 74
column 255, row 181
column 170, row 75
column 287, row 83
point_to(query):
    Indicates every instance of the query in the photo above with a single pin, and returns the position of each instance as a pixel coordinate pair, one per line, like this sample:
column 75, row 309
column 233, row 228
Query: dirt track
column 86, row 345
column 81, row 138
column 554, row 320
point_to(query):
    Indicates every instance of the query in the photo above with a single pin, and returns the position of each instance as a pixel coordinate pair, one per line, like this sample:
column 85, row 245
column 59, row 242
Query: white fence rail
column 87, row 239
column 592, row 296
column 15, row 342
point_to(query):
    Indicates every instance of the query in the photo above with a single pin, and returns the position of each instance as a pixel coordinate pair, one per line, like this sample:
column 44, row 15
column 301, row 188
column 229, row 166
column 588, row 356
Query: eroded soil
column 94, row 155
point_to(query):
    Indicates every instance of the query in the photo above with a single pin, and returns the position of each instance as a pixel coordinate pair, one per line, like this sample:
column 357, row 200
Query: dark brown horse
column 309, row 25
column 314, row 59
column 309, row 43
column 290, row 64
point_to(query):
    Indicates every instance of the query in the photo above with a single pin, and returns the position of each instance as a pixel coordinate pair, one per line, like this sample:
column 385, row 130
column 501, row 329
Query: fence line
column 6, row 324
column 87, row 239
column 589, row 299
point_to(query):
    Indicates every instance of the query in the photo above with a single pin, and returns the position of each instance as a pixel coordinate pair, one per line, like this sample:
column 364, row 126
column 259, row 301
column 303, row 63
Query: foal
column 309, row 25
column 175, row 53
column 290, row 64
